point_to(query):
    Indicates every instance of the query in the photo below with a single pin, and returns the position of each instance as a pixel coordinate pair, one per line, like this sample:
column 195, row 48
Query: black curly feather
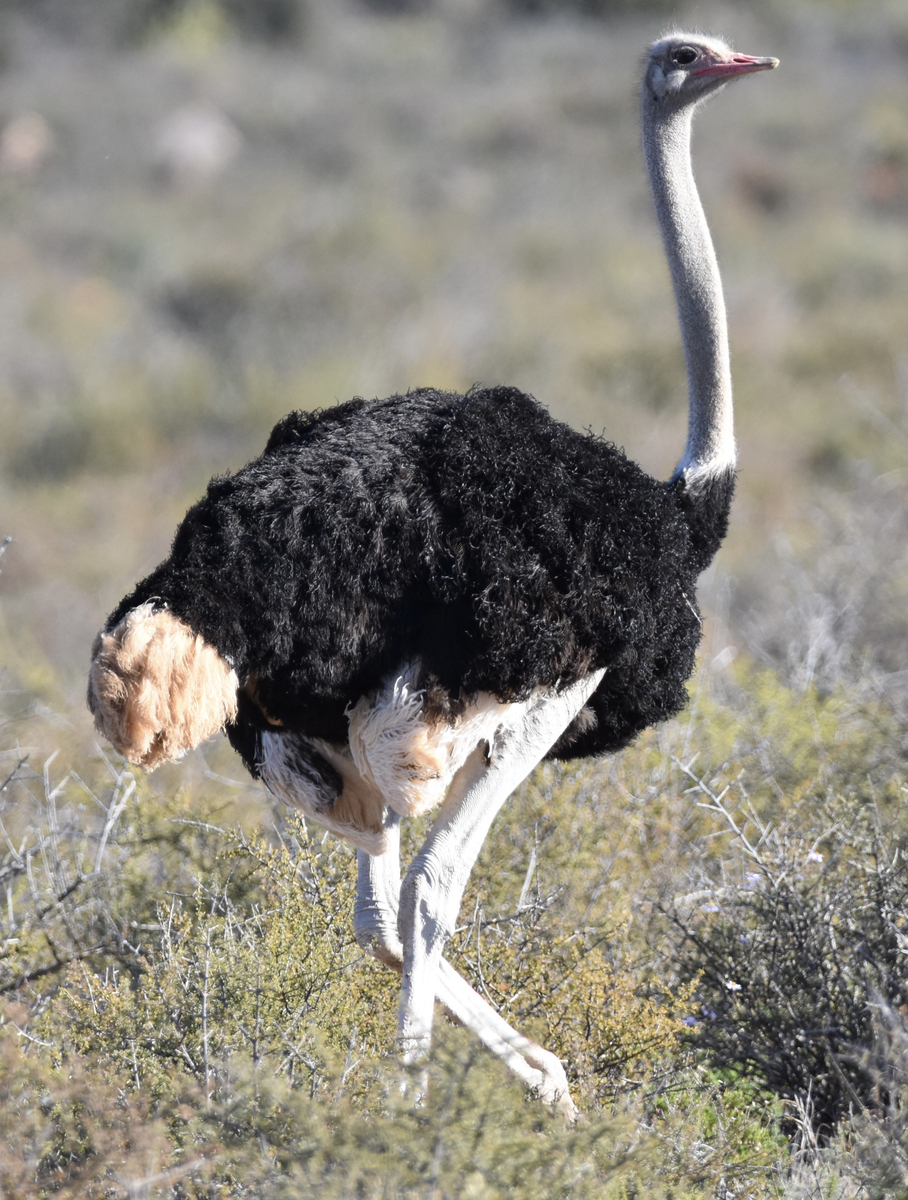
column 474, row 534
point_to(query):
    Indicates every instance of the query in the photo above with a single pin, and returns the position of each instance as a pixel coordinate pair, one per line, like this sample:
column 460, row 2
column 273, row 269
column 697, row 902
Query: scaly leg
column 375, row 925
column 434, row 884
column 377, row 897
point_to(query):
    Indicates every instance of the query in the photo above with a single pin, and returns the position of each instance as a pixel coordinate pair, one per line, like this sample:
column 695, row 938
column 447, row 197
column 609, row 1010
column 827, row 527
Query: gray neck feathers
column 698, row 291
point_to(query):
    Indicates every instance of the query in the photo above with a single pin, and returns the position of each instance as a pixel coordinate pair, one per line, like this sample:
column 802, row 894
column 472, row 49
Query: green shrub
column 209, row 977
column 795, row 944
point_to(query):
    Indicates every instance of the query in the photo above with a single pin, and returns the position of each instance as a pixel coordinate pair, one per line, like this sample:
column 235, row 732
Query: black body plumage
column 473, row 534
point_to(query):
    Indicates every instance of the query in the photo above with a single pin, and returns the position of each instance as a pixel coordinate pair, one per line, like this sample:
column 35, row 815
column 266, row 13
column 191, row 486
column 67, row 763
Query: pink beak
column 738, row 64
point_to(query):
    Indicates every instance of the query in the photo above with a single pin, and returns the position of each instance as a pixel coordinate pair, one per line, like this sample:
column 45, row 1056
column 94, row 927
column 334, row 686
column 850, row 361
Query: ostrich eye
column 685, row 55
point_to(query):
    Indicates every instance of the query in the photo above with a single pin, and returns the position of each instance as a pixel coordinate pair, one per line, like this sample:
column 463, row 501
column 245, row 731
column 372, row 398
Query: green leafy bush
column 792, row 956
column 209, row 977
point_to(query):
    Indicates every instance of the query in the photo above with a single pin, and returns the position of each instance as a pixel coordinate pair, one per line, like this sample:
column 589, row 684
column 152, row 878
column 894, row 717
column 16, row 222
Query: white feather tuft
column 410, row 760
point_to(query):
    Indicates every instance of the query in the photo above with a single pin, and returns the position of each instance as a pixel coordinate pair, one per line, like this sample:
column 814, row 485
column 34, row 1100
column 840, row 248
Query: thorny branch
column 54, row 914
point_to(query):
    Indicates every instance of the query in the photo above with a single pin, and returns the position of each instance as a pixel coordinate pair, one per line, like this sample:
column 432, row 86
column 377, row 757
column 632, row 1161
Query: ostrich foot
column 540, row 1070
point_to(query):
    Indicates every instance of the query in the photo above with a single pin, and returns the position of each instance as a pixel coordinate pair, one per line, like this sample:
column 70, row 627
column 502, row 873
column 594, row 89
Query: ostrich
column 408, row 603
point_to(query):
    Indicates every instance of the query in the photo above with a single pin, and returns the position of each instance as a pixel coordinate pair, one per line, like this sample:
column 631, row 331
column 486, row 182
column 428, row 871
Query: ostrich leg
column 433, row 886
column 377, row 896
column 375, row 924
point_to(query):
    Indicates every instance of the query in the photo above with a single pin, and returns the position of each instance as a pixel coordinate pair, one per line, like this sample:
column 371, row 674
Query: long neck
column 698, row 290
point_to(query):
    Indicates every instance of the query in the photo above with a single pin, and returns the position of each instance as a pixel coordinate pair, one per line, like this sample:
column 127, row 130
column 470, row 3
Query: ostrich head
column 684, row 68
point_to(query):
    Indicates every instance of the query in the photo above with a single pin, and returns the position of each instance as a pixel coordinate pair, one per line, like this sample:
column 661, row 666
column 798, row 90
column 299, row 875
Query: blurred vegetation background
column 215, row 211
